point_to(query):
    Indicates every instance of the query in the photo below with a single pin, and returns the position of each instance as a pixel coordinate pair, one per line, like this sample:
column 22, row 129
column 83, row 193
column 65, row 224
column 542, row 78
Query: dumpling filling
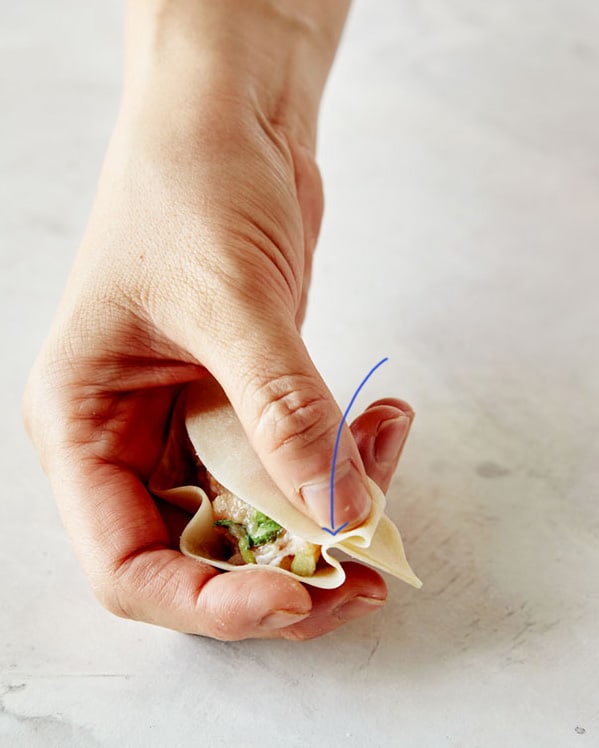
column 253, row 538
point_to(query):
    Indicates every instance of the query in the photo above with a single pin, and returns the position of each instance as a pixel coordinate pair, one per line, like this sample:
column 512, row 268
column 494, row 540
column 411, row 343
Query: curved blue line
column 334, row 465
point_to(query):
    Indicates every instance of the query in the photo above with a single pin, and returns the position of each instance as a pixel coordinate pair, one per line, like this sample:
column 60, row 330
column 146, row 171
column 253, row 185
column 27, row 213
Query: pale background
column 460, row 151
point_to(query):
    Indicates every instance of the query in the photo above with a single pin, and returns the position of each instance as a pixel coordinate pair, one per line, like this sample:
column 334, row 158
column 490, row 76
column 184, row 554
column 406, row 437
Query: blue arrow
column 332, row 530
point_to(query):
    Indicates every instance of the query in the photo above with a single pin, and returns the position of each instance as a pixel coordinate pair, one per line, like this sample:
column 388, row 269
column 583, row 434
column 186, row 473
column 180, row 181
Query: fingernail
column 352, row 500
column 358, row 606
column 390, row 438
column 281, row 618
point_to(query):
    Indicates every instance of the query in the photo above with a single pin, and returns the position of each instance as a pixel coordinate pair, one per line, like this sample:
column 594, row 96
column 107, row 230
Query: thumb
column 292, row 422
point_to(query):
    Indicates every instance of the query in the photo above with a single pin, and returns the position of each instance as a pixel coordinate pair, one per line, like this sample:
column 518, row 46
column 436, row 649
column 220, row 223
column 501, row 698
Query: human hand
column 196, row 262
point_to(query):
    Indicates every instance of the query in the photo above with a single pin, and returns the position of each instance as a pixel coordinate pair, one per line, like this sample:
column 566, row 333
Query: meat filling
column 254, row 538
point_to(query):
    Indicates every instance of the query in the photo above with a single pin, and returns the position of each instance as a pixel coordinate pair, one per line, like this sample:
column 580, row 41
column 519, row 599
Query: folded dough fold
column 205, row 422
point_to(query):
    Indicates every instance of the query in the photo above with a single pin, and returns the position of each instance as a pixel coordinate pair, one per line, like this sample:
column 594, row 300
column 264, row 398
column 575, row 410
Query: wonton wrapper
column 221, row 444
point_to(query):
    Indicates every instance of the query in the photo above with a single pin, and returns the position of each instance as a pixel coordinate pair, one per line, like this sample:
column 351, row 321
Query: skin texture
column 196, row 262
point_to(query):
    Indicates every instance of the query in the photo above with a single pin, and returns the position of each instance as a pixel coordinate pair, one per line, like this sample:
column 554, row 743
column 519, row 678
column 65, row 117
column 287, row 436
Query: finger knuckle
column 292, row 410
column 115, row 592
column 112, row 599
column 134, row 580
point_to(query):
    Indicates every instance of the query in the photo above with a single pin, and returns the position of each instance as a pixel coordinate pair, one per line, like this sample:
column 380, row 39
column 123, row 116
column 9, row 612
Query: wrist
column 271, row 57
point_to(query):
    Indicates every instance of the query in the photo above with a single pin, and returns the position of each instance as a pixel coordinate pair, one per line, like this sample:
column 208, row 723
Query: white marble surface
column 460, row 149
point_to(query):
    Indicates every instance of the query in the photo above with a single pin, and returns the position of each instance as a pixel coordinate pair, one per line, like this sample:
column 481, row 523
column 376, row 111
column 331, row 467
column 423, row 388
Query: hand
column 196, row 262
